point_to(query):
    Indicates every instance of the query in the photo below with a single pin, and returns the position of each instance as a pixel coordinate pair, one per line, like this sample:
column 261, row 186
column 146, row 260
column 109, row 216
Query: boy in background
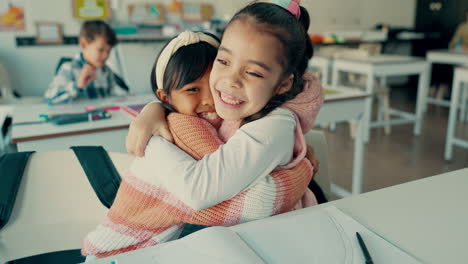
column 86, row 75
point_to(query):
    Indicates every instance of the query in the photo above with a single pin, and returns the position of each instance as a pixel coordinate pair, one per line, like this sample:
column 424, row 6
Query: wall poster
column 12, row 15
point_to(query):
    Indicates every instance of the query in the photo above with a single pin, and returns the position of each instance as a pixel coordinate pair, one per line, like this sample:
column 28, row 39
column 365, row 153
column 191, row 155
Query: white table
column 344, row 105
column 383, row 66
column 109, row 133
column 445, row 57
column 426, row 218
column 460, row 83
column 323, row 65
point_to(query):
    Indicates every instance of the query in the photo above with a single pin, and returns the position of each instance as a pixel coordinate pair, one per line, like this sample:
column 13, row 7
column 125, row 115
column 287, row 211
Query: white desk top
column 427, row 218
column 28, row 113
column 383, row 59
column 448, row 52
column 448, row 57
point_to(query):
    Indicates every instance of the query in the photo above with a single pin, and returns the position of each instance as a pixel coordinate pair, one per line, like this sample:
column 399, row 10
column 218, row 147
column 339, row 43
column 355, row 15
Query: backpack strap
column 12, row 167
column 191, row 228
column 100, row 170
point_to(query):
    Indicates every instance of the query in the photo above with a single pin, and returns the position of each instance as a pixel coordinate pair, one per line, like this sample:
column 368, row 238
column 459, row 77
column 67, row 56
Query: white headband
column 185, row 38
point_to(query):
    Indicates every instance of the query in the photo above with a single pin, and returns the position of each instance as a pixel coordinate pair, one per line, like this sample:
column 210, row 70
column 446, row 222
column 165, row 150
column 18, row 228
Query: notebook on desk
column 311, row 236
column 133, row 110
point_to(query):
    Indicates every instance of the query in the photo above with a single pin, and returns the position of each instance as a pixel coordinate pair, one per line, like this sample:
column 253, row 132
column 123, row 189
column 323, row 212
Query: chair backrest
column 118, row 80
column 61, row 61
column 55, row 206
column 6, row 92
column 317, row 140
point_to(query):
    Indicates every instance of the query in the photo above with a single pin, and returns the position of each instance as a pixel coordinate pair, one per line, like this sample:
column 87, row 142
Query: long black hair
column 296, row 45
column 188, row 64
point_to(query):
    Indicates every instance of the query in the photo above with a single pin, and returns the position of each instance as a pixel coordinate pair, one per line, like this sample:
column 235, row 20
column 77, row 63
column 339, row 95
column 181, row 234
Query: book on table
column 306, row 236
column 133, row 110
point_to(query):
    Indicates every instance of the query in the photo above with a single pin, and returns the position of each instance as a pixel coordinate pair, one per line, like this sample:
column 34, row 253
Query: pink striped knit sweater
column 144, row 215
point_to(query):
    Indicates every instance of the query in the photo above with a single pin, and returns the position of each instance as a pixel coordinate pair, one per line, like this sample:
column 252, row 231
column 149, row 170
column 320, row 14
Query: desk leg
column 463, row 97
column 452, row 122
column 384, row 105
column 358, row 156
column 427, row 80
column 421, row 103
column 368, row 110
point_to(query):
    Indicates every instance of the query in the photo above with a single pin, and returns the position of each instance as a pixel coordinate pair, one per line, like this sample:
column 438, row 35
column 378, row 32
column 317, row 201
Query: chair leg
column 380, row 111
column 463, row 98
column 352, row 128
column 386, row 113
column 384, row 103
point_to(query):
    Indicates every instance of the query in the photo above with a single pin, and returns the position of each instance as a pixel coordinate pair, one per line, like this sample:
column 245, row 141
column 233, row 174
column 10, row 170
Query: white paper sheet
column 318, row 236
column 306, row 236
column 210, row 245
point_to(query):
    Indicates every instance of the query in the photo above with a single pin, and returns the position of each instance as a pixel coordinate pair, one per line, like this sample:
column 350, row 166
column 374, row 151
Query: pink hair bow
column 293, row 6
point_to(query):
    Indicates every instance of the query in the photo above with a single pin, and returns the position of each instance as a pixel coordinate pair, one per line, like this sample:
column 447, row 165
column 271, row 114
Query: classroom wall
column 31, row 68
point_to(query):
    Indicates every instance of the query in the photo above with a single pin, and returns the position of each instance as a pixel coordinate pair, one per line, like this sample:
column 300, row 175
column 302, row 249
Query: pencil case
column 79, row 117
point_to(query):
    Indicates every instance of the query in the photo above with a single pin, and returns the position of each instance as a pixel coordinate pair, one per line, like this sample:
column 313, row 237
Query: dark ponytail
column 297, row 47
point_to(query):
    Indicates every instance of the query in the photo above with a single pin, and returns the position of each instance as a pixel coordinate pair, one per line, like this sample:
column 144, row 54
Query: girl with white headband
column 180, row 74
column 259, row 66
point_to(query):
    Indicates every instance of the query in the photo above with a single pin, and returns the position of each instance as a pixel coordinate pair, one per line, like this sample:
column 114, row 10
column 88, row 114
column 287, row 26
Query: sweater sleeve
column 252, row 153
column 307, row 104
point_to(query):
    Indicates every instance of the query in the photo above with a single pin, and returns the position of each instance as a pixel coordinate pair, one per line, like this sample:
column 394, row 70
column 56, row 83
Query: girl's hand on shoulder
column 150, row 122
column 310, row 155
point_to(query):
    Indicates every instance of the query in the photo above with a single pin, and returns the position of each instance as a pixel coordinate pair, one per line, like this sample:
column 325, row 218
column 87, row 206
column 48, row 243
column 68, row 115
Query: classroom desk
column 340, row 105
column 425, row 218
column 449, row 57
column 383, row 66
column 460, row 85
column 109, row 133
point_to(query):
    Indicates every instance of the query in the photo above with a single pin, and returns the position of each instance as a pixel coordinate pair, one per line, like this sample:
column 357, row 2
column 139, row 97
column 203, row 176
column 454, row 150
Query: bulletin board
column 197, row 12
column 146, row 13
column 91, row 9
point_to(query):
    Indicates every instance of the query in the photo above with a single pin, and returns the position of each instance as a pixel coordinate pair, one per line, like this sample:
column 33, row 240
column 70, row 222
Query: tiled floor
column 399, row 157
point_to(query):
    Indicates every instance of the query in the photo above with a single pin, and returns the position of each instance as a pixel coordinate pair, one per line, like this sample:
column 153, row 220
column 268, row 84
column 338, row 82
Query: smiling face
column 96, row 51
column 247, row 71
column 193, row 99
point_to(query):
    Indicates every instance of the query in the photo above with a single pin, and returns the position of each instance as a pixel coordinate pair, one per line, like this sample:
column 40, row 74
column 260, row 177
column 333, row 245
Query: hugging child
column 258, row 172
column 86, row 75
